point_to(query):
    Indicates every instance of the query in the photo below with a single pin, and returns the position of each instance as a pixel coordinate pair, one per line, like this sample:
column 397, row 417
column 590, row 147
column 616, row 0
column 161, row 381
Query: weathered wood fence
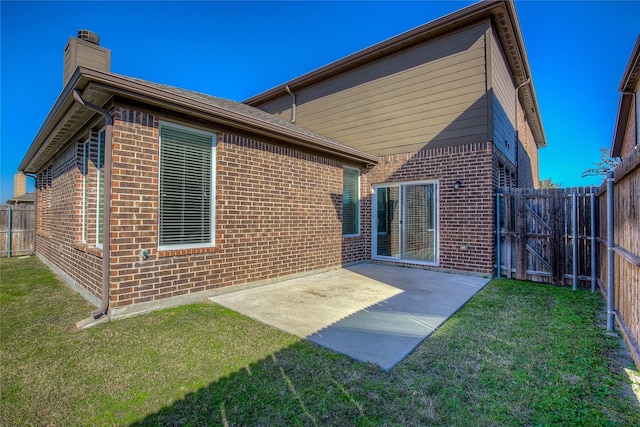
column 547, row 235
column 17, row 230
column 559, row 236
column 626, row 250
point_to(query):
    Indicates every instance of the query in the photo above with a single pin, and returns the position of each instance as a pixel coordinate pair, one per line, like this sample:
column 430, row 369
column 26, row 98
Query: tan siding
column 503, row 102
column 82, row 53
column 432, row 94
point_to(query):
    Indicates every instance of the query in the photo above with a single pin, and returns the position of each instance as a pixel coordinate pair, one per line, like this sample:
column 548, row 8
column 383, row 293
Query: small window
column 350, row 202
column 187, row 188
column 383, row 212
column 100, row 192
column 85, row 186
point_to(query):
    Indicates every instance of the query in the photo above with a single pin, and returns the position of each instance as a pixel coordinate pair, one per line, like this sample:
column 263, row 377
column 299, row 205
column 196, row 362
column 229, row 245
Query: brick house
column 150, row 196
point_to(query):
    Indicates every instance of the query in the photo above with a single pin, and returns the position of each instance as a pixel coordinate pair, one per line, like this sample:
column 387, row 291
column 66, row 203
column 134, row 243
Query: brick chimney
column 85, row 50
column 19, row 185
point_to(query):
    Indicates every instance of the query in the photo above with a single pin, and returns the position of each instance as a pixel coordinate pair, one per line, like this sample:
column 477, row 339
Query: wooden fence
column 547, row 235
column 17, row 230
column 559, row 236
column 626, row 257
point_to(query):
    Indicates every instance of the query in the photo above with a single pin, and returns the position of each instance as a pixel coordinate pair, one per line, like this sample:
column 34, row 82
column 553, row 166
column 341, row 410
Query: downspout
column 293, row 103
column 106, row 227
column 517, row 146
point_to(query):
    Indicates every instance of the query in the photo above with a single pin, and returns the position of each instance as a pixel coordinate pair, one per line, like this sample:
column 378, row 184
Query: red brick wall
column 59, row 203
column 278, row 212
column 466, row 215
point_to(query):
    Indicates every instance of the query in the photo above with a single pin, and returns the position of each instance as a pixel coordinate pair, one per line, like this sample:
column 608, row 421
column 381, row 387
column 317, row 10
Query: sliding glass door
column 406, row 222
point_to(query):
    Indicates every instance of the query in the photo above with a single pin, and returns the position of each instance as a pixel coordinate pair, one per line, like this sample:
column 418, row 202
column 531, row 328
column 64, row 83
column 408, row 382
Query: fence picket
column 17, row 230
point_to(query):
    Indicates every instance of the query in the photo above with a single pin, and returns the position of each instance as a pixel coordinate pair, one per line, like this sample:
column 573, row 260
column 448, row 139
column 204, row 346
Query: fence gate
column 547, row 235
column 17, row 230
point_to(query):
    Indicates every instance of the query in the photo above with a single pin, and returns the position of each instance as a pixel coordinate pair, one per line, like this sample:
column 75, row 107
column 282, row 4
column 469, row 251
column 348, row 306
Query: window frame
column 86, row 155
column 212, row 217
column 357, row 218
column 100, row 178
column 435, row 184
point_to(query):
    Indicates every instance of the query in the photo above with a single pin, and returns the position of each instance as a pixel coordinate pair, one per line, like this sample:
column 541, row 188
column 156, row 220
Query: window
column 350, row 202
column 383, row 212
column 100, row 201
column 187, row 188
column 85, row 186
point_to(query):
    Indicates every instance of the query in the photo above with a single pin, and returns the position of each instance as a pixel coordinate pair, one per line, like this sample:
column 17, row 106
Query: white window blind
column 187, row 168
column 350, row 201
column 86, row 146
column 100, row 201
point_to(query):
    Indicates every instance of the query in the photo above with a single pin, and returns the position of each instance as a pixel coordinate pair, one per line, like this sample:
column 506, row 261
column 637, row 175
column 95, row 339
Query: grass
column 517, row 354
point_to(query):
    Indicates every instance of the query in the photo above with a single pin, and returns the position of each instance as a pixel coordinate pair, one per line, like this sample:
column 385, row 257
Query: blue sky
column 577, row 51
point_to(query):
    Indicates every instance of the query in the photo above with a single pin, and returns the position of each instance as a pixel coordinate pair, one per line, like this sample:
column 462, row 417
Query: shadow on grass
column 302, row 384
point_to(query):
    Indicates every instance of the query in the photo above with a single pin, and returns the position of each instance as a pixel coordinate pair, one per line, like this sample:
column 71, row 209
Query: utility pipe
column 106, row 226
column 610, row 253
column 498, row 238
column 594, row 265
column 574, row 237
column 293, row 103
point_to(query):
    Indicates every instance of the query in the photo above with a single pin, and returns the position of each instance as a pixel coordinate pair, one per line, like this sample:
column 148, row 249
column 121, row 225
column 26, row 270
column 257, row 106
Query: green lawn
column 517, row 354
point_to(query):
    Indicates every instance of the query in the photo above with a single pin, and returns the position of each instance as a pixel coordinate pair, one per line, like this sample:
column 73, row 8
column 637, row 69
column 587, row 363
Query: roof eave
column 382, row 49
column 622, row 120
column 53, row 117
column 531, row 109
column 119, row 85
column 470, row 14
column 137, row 90
column 631, row 73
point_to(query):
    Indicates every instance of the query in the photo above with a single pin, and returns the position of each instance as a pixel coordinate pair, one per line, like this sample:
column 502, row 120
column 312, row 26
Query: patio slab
column 371, row 312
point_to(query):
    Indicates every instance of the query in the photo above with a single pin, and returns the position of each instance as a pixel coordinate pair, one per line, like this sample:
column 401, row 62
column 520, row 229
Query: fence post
column 594, row 264
column 574, row 238
column 498, row 238
column 610, row 252
column 521, row 234
column 9, row 224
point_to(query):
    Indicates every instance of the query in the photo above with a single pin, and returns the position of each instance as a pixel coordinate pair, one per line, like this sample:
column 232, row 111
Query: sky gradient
column 577, row 51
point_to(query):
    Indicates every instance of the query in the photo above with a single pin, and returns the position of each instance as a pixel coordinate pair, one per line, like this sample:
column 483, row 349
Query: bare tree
column 606, row 164
column 548, row 183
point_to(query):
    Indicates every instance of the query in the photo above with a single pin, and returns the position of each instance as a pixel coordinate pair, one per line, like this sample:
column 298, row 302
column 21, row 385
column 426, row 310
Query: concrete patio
column 371, row 312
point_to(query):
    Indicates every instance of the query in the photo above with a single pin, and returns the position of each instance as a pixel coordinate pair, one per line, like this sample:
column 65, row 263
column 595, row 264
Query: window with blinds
column 187, row 188
column 86, row 146
column 100, row 201
column 350, row 202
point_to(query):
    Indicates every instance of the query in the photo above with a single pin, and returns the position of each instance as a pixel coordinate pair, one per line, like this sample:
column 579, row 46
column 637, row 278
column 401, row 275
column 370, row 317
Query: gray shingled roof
column 238, row 108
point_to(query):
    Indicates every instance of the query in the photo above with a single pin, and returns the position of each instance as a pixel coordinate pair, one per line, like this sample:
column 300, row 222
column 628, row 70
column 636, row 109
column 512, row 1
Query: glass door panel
column 419, row 221
column 388, row 222
column 406, row 222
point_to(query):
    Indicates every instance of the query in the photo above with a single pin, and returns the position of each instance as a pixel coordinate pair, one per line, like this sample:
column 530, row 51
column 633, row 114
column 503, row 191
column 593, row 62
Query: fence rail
column 560, row 236
column 17, row 230
column 625, row 251
column 546, row 235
